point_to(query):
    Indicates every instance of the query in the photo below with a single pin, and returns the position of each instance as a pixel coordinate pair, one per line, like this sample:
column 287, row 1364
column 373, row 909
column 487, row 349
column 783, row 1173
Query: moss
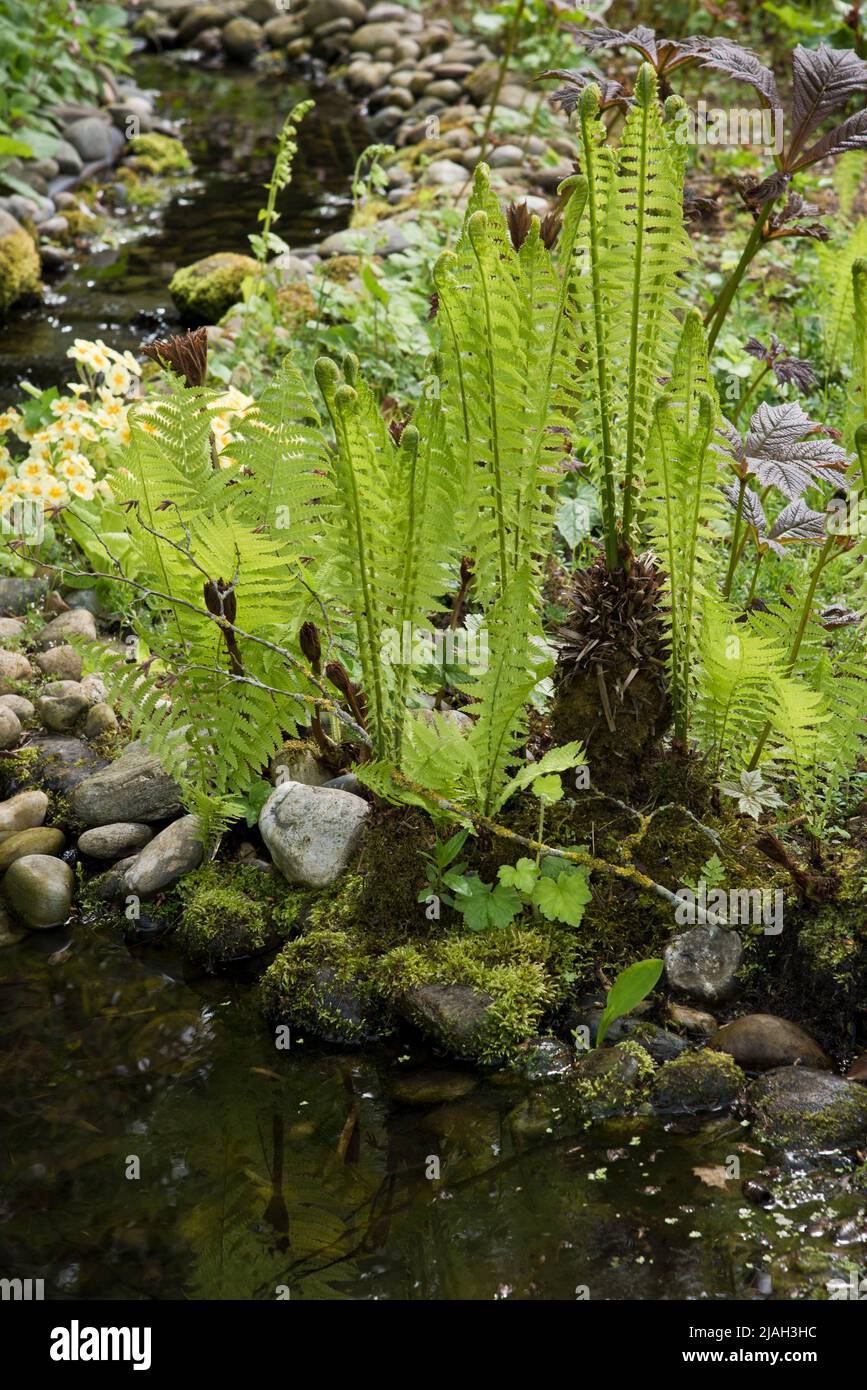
column 229, row 911
column 324, row 983
column 521, row 969
column 205, row 290
column 159, row 154
column 612, row 1081
column 296, row 304
column 19, row 264
column 341, row 268
column 830, row 942
column 695, row 1081
column 372, row 212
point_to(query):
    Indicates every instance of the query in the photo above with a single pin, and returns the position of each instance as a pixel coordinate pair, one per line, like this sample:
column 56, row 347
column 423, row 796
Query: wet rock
column 858, row 1069
column 454, row 1016
column 703, row 962
column 60, row 762
column 694, row 1021
column 133, row 788
column 40, row 839
column 10, row 727
column 23, row 811
column 697, row 1081
column 20, row 595
column 61, row 705
column 76, row 623
column 801, row 1109
column 243, row 38
column 175, row 851
column 298, row 765
column 313, row 833
column 61, row 663
column 10, row 933
column 759, row 1042
column 101, row 719
column 112, row 884
column 14, row 666
column 38, row 888
column 69, row 161
column 24, row 709
column 544, row 1059
column 114, row 841
column 432, row 1087
column 319, row 983
column 657, row 1042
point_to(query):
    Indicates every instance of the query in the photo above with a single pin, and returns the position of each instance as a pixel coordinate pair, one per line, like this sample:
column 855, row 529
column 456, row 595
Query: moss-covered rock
column 19, row 263
column 697, row 1081
column 323, row 982
column 801, row 1109
column 159, row 154
column 478, row 996
column 607, row 1082
column 205, row 290
column 230, row 911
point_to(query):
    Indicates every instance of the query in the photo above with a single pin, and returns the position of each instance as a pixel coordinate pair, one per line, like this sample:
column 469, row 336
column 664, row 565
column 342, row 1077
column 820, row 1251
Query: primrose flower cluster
column 56, row 447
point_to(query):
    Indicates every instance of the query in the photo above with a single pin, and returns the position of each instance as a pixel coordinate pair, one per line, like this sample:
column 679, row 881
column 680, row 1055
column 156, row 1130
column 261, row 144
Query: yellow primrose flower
column 81, row 487
column 32, row 468
column 55, row 493
column 12, row 487
column 5, row 471
column 9, row 419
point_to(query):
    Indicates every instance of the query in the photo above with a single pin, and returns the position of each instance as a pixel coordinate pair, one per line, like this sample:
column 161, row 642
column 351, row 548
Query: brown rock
column 758, row 1042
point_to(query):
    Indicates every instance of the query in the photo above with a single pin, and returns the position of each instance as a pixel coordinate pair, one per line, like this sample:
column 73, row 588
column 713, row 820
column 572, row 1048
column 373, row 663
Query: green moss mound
column 205, row 290
column 227, row 912
column 159, row 154
column 323, row 982
column 19, row 263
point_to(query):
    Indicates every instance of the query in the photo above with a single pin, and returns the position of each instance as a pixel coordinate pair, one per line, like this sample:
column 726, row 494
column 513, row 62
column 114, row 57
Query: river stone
column 101, row 719
column 432, row 1087
column 198, row 18
column 61, row 762
column 95, row 139
column 365, row 76
column 10, row 727
column 10, row 629
column 77, row 622
column 371, row 37
column 454, row 1016
column 505, row 155
column 133, row 788
column 696, row 1081
column 802, row 1109
column 60, row 705
column 858, row 1069
column 93, row 689
column 759, row 1042
column 445, row 173
column 114, row 841
column 23, row 811
column 283, row 30
column 243, row 38
column 112, row 884
column 175, row 851
column 298, row 765
column 10, row 934
column 325, row 11
column 24, row 709
column 62, row 663
column 38, row 888
column 312, row 832
column 657, row 1042
column 68, row 159
column 444, row 89
column 695, row 1021
column 703, row 962
column 40, row 839
column 19, row 595
column 544, row 1059
column 14, row 666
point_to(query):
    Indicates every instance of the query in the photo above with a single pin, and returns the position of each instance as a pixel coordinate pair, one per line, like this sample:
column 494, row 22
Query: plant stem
column 717, row 313
column 733, row 557
column 511, row 40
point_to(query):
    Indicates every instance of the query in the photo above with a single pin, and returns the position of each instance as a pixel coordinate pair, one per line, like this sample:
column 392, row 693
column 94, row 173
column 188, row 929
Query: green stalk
column 496, row 462
column 511, row 40
column 733, row 557
column 716, row 315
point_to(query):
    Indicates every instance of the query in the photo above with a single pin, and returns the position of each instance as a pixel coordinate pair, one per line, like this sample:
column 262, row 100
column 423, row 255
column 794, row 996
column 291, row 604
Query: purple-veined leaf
column 851, row 135
column 823, row 80
column 743, row 66
column 780, row 456
column 796, row 522
column 752, row 510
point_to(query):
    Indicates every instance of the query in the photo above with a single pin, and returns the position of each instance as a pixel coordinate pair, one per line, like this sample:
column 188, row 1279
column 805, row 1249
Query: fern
column 682, row 501
column 857, row 412
column 835, row 263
